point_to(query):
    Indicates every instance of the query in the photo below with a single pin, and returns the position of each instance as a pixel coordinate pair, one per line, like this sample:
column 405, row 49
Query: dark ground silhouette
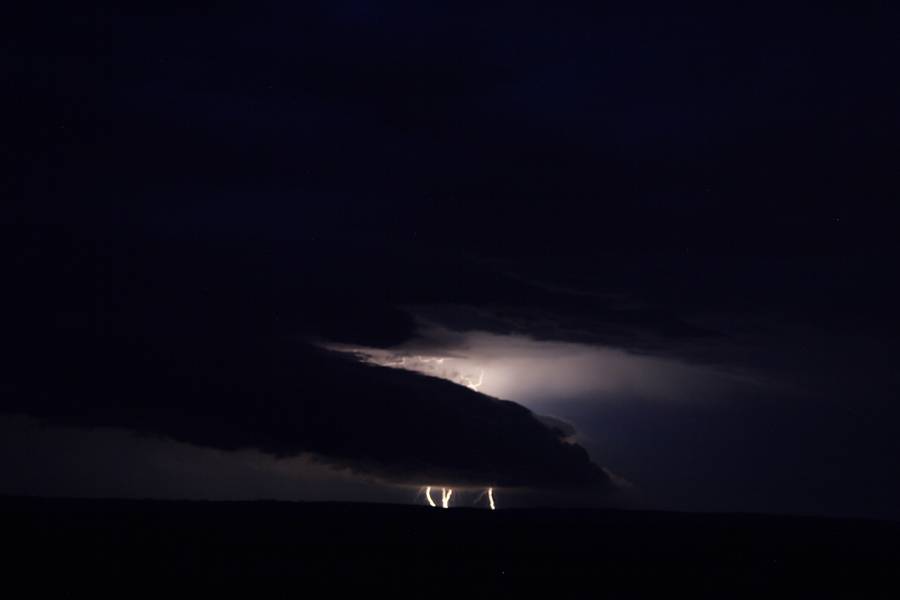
column 622, row 553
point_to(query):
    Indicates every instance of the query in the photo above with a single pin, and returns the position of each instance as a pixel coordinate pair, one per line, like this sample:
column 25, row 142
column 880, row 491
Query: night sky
column 609, row 254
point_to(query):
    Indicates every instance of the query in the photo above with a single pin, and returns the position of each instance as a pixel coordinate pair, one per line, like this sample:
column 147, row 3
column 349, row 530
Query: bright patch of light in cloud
column 536, row 373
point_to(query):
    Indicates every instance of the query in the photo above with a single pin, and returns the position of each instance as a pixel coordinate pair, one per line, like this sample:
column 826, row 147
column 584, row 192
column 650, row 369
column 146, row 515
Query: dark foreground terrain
column 602, row 553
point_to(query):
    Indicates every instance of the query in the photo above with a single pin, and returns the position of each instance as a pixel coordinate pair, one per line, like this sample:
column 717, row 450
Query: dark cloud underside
column 191, row 346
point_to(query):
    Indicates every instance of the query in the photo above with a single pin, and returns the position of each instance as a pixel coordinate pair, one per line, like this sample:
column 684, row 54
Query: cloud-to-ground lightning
column 477, row 384
column 446, row 493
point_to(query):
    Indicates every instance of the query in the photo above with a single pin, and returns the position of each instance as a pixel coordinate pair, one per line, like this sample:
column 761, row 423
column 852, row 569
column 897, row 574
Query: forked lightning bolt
column 476, row 385
column 446, row 493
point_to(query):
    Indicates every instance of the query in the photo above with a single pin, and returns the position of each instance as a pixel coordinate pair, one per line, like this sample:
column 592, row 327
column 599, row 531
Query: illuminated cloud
column 538, row 372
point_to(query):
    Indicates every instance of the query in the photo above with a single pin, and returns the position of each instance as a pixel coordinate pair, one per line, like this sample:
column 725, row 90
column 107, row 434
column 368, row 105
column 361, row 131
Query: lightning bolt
column 445, row 497
column 491, row 498
column 437, row 366
column 428, row 496
column 477, row 385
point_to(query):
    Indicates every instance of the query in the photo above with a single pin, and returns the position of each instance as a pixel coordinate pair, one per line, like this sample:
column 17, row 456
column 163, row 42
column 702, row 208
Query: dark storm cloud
column 205, row 347
column 458, row 124
column 705, row 186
